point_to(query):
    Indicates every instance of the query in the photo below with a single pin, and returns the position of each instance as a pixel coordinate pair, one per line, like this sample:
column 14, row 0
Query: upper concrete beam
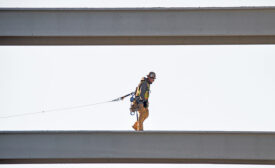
column 111, row 26
column 137, row 147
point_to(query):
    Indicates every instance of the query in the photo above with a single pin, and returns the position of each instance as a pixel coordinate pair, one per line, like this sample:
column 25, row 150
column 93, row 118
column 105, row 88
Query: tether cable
column 53, row 110
column 64, row 108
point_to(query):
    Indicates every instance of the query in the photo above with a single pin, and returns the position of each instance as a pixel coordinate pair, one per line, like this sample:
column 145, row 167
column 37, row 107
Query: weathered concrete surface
column 137, row 147
column 133, row 26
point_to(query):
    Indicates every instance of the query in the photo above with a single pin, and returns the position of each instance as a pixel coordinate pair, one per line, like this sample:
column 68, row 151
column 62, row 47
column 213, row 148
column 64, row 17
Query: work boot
column 135, row 126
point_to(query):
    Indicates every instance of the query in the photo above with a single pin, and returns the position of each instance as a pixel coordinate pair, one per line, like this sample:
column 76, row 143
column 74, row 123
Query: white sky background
column 226, row 88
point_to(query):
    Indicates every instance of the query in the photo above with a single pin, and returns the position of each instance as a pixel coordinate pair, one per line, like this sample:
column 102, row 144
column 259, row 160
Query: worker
column 142, row 103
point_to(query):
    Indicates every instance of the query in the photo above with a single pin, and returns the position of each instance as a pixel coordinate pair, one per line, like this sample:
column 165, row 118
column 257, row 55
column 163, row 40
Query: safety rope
column 65, row 108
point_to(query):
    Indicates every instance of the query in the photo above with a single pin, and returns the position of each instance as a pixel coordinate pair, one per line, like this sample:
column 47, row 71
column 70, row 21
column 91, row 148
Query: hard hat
column 152, row 75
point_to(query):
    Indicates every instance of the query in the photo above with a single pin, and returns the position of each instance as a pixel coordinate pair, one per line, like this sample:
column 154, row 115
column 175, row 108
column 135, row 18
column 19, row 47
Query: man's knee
column 147, row 113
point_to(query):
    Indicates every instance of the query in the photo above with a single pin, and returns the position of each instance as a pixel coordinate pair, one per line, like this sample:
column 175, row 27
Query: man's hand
column 146, row 104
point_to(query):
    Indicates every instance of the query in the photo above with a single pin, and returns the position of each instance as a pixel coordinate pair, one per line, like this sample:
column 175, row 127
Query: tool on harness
column 134, row 109
column 132, row 100
column 134, row 105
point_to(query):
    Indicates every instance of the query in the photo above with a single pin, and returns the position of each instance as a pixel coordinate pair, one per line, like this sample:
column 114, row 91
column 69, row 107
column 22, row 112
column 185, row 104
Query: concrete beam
column 137, row 26
column 137, row 147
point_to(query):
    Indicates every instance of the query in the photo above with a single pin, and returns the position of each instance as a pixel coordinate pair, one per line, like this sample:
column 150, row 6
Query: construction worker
column 142, row 96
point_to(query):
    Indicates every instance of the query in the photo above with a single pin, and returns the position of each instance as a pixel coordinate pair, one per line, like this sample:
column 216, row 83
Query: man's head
column 151, row 77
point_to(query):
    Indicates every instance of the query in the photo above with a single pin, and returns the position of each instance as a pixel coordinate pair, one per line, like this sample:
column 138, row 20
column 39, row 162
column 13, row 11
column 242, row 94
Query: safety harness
column 135, row 99
column 138, row 89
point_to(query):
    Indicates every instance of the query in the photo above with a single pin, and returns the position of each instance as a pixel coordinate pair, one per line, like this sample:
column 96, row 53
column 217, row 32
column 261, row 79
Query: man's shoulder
column 144, row 80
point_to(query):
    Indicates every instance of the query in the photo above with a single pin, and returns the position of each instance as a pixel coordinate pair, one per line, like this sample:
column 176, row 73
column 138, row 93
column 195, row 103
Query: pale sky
column 225, row 87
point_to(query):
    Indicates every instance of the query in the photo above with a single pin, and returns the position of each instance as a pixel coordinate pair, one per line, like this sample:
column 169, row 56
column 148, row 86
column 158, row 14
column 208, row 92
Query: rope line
column 65, row 108
column 54, row 110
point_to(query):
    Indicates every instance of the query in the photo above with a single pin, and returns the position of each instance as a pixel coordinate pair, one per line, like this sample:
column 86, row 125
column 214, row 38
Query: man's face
column 151, row 80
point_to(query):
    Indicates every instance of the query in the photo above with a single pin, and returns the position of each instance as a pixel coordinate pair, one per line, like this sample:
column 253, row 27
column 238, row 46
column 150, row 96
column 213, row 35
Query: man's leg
column 144, row 113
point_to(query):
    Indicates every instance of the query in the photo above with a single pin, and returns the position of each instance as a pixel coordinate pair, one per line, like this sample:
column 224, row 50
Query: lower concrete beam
column 137, row 147
column 136, row 40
